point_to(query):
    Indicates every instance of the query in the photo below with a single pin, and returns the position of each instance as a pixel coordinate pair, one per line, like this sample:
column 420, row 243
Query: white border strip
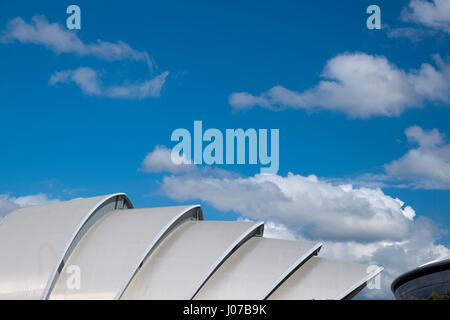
column 303, row 258
column 242, row 238
column 161, row 233
column 53, row 276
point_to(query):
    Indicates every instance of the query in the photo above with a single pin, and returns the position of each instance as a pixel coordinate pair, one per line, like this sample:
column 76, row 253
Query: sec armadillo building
column 159, row 253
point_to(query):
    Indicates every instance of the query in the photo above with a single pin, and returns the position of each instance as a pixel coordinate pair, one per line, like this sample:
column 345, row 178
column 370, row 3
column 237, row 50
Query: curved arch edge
column 360, row 284
column 178, row 219
column 255, row 230
column 301, row 260
column 53, row 277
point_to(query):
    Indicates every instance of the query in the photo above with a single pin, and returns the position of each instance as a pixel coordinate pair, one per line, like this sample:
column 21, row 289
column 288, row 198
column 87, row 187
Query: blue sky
column 62, row 142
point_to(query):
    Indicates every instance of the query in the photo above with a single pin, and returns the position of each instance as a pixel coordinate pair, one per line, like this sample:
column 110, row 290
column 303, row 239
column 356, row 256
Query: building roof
column 118, row 244
column 185, row 260
column 35, row 240
column 426, row 268
column 257, row 268
column 323, row 279
column 159, row 253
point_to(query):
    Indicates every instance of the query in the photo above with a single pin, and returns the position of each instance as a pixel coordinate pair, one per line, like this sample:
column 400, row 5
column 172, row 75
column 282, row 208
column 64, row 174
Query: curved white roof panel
column 112, row 250
column 187, row 257
column 34, row 241
column 323, row 279
column 256, row 268
column 101, row 248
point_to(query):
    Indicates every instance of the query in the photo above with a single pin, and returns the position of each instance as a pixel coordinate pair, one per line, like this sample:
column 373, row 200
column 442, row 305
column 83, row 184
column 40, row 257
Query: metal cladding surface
column 115, row 246
column 102, row 248
column 323, row 279
column 187, row 257
column 424, row 281
column 34, row 241
column 257, row 268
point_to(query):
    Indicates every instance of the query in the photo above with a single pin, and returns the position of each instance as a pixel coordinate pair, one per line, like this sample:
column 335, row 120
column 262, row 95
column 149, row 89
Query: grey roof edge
column 359, row 284
column 91, row 212
column 301, row 260
column 179, row 218
column 257, row 229
column 424, row 267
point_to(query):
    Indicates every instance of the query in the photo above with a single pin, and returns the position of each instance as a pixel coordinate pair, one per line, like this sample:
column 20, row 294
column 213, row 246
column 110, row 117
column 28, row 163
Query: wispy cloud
column 413, row 34
column 160, row 160
column 434, row 14
column 60, row 40
column 361, row 86
column 88, row 80
column 428, row 165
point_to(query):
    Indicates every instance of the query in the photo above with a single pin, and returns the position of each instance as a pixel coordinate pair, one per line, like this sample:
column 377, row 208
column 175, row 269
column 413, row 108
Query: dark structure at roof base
column 424, row 281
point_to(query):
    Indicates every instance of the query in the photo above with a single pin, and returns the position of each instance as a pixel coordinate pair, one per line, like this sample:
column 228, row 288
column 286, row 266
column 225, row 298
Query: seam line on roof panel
column 54, row 276
column 255, row 230
column 159, row 237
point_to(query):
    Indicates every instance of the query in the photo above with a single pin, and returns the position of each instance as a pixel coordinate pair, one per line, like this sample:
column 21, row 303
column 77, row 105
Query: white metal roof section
column 110, row 253
column 187, row 257
column 256, row 268
column 34, row 241
column 323, row 279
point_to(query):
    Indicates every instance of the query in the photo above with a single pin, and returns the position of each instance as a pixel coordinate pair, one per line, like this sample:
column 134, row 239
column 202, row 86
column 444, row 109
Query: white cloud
column 160, row 160
column 90, row 83
column 307, row 205
column 244, row 100
column 60, row 40
column 428, row 165
column 278, row 231
column 356, row 224
column 361, row 86
column 433, row 14
column 419, row 246
column 413, row 34
column 8, row 204
column 362, row 225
